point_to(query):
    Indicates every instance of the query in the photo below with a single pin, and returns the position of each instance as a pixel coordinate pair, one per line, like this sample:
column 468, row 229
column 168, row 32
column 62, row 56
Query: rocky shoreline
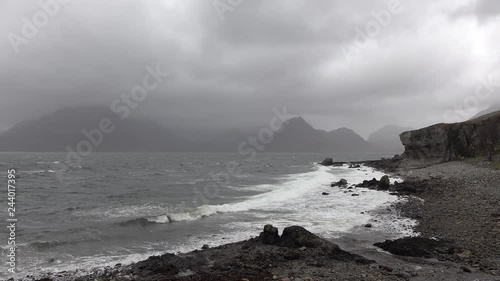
column 462, row 204
column 457, row 205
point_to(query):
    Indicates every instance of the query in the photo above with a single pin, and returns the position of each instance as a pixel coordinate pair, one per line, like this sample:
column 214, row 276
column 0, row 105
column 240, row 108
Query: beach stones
column 291, row 255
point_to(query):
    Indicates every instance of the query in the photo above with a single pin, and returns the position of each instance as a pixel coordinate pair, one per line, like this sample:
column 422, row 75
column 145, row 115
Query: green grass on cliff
column 481, row 159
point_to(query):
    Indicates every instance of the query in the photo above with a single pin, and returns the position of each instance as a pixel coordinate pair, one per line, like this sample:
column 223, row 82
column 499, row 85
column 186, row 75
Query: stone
column 325, row 193
column 384, row 183
column 269, row 235
column 297, row 237
column 372, row 184
column 404, row 188
column 327, row 162
column 340, row 183
column 291, row 255
column 417, row 247
column 465, row 269
column 386, row 268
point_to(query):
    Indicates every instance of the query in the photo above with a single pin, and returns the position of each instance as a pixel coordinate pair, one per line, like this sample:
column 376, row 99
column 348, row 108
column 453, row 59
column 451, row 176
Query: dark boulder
column 297, row 237
column 325, row 193
column 327, row 162
column 404, row 188
column 417, row 247
column 384, row 183
column 354, row 166
column 269, row 235
column 340, row 183
column 372, row 184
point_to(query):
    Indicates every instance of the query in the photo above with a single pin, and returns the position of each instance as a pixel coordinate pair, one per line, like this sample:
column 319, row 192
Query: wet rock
column 325, row 193
column 384, row 183
column 327, row 162
column 205, row 247
column 297, row 237
column 372, row 184
column 340, row 183
column 368, row 225
column 269, row 235
column 404, row 188
column 417, row 247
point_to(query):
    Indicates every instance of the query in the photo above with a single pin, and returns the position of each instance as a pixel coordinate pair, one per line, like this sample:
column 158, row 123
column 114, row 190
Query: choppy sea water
column 125, row 207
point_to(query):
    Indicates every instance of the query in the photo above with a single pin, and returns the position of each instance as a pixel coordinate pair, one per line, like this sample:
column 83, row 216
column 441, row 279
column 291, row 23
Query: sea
column 124, row 207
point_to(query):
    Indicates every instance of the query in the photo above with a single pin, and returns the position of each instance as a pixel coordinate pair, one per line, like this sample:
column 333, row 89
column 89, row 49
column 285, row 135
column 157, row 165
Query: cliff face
column 446, row 142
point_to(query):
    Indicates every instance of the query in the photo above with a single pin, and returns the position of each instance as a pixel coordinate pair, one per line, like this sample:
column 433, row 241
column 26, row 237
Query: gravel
column 462, row 203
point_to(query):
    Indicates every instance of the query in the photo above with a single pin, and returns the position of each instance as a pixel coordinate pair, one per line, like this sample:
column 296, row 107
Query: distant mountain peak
column 343, row 130
column 298, row 123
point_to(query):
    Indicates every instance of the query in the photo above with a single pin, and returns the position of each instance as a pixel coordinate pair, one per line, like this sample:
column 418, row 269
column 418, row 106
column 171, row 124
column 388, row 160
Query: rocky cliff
column 446, row 142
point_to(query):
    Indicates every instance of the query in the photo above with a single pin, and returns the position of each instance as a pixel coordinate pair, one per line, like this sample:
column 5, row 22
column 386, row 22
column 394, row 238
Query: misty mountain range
column 58, row 130
column 491, row 109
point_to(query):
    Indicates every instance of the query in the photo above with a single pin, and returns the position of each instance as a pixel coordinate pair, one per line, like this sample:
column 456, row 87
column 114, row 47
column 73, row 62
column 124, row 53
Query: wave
column 294, row 187
column 47, row 244
column 139, row 221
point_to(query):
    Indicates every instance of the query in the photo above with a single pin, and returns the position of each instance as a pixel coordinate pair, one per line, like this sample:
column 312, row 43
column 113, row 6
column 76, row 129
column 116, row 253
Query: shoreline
column 469, row 259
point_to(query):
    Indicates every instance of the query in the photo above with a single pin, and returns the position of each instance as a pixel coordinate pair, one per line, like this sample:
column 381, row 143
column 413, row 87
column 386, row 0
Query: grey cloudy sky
column 231, row 73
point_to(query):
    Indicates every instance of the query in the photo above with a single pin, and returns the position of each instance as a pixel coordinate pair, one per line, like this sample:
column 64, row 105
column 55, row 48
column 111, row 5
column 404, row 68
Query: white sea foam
column 298, row 200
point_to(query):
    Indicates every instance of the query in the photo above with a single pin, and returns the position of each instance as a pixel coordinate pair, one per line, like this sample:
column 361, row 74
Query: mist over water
column 124, row 207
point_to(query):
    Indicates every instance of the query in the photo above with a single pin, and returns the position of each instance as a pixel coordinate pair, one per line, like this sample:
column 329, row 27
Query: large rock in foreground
column 296, row 237
column 270, row 235
column 417, row 247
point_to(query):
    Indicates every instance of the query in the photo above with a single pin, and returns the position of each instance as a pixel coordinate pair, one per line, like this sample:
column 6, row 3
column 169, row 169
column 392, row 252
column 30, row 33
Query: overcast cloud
column 264, row 54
